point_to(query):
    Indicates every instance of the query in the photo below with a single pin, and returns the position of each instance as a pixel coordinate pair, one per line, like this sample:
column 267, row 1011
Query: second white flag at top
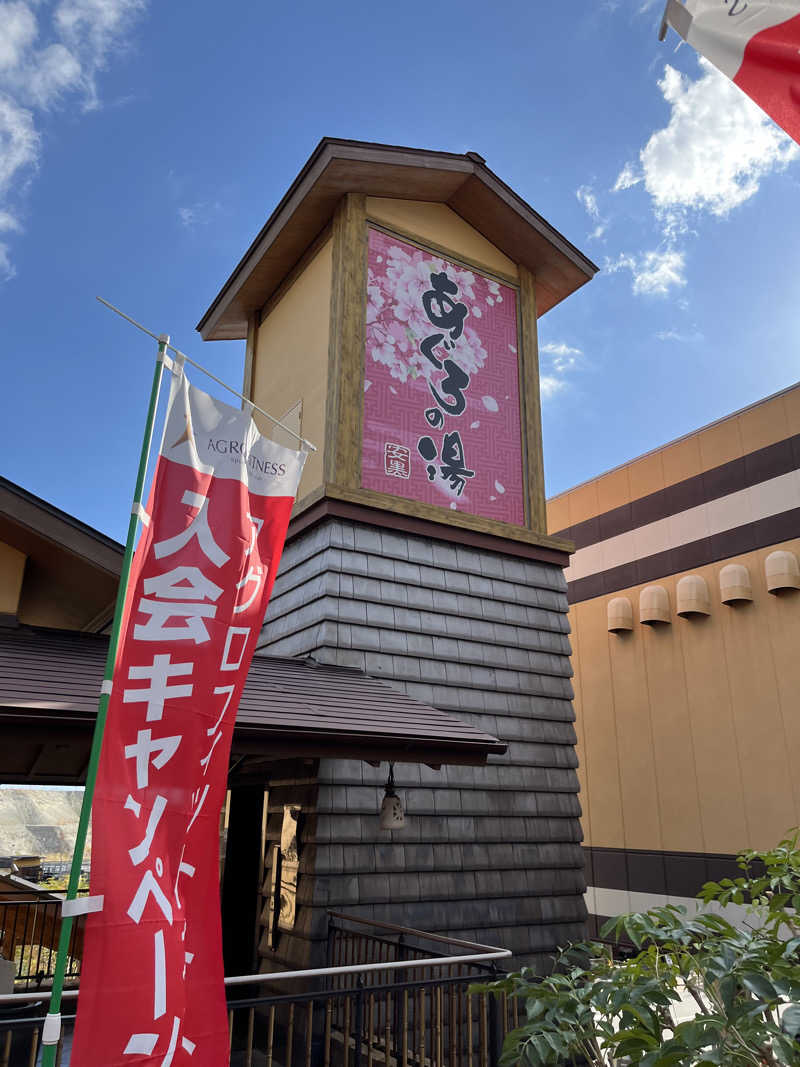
column 756, row 43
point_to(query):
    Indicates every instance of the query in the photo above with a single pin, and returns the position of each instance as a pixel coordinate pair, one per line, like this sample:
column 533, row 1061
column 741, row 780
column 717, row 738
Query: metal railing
column 431, row 1022
column 351, row 940
column 30, row 926
column 403, row 1004
column 20, row 1035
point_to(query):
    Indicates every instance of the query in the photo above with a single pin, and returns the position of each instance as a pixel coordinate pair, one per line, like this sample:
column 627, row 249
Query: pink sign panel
column 441, row 384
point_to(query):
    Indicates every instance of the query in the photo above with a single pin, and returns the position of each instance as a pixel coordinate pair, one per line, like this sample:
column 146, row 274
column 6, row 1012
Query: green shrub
column 743, row 981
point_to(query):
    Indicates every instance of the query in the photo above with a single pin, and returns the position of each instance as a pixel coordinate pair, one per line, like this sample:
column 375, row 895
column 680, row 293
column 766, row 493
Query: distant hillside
column 39, row 822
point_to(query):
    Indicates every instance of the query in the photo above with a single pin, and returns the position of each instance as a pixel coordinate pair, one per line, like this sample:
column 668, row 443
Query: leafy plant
column 742, row 982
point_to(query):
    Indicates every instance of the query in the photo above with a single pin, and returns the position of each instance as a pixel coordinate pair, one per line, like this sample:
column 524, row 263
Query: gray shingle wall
column 488, row 853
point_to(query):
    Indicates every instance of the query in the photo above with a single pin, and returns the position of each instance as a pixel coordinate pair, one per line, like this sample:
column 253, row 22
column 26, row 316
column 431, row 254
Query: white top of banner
column 721, row 29
column 214, row 438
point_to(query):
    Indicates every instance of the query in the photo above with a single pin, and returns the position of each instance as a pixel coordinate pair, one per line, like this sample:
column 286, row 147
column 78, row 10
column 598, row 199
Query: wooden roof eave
column 64, row 728
column 31, row 513
column 462, row 182
column 49, row 682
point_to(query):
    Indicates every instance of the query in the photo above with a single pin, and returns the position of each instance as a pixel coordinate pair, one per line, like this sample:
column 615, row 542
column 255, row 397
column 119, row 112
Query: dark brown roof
column 51, row 523
column 462, row 182
column 50, row 679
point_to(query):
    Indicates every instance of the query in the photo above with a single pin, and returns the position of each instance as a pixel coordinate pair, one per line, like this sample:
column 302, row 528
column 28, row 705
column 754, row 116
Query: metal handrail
column 394, row 987
column 359, row 968
column 484, row 954
column 313, row 972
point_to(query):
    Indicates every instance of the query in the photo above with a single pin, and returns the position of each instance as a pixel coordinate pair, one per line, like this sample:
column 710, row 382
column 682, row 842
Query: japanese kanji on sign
column 442, row 420
column 152, row 980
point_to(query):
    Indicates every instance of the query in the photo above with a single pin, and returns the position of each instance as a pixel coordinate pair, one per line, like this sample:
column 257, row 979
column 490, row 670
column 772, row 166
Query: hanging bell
column 392, row 814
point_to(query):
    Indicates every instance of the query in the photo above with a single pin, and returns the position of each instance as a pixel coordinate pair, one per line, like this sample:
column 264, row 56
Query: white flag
column 756, row 43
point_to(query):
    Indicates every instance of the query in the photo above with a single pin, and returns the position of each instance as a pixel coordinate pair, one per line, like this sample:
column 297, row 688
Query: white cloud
column 8, row 222
column 680, row 337
column 549, row 385
column 7, row 270
column 92, row 30
column 611, row 6
column 48, row 51
column 654, row 273
column 19, row 142
column 49, row 74
column 558, row 360
column 713, row 153
column 19, row 33
column 657, row 272
column 199, row 214
column 626, row 178
column 587, row 197
column 563, row 355
column 711, row 157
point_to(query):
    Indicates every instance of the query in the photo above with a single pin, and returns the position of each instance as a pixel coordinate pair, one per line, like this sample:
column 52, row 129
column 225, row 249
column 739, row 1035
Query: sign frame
column 459, row 260
column 345, row 403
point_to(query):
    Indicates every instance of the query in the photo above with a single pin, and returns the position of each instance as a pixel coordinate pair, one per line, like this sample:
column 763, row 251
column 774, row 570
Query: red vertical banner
column 152, row 979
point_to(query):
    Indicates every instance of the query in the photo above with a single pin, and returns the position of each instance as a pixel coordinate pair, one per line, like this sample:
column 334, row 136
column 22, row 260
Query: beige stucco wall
column 689, row 733
column 774, row 419
column 65, row 592
column 291, row 358
column 12, row 568
column 438, row 224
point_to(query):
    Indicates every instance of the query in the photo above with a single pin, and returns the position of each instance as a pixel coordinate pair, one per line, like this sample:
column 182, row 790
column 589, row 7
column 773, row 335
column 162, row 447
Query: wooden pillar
column 531, row 403
column 346, row 352
column 250, row 353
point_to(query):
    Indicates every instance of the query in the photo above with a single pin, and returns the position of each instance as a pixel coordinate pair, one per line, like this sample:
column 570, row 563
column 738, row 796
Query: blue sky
column 142, row 146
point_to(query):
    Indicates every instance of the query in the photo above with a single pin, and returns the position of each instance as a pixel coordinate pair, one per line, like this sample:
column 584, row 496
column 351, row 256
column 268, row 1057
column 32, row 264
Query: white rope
column 180, row 356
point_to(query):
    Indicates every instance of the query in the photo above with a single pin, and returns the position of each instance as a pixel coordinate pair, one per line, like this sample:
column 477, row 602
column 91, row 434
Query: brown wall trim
column 735, row 542
column 389, row 520
column 530, row 403
column 679, row 874
column 348, row 322
column 758, row 466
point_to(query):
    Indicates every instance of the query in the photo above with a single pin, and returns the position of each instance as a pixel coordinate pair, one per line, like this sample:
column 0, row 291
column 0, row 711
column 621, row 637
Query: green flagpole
column 51, row 1032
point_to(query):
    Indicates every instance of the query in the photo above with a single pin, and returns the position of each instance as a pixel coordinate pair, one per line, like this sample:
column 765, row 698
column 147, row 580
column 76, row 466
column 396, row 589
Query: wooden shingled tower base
column 488, row 853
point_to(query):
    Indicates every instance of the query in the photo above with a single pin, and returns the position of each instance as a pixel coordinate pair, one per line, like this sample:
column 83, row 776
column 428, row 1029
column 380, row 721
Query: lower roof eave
column 65, row 727
column 50, row 680
column 371, row 750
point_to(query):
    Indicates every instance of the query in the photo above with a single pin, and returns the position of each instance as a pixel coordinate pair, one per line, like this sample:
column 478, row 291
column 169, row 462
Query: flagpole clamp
column 140, row 513
column 163, row 345
column 82, row 906
column 51, row 1031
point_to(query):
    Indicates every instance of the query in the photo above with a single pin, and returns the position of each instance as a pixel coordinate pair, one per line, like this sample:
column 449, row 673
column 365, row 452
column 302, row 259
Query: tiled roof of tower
column 463, row 182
